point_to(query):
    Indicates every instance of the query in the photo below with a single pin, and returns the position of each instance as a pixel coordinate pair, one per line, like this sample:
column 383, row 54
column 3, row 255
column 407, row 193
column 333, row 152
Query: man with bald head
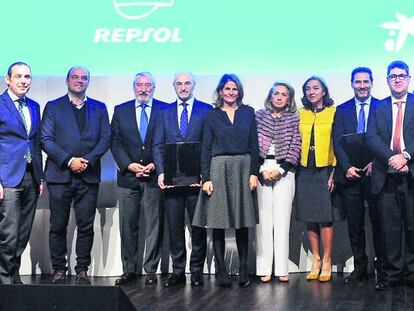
column 181, row 121
column 75, row 135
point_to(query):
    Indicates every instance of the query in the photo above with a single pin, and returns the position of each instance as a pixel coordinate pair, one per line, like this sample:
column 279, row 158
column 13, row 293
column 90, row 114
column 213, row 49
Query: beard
column 146, row 100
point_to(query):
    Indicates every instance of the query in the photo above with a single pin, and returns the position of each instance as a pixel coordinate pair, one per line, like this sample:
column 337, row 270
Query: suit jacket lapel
column 68, row 112
column 131, row 119
column 408, row 113
column 153, row 117
column 388, row 116
column 193, row 117
column 174, row 119
column 33, row 116
column 12, row 108
column 352, row 117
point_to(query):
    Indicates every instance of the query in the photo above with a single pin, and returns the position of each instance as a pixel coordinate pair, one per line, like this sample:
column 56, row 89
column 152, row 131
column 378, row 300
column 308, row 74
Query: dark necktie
column 396, row 142
column 143, row 122
column 21, row 101
column 184, row 120
column 361, row 119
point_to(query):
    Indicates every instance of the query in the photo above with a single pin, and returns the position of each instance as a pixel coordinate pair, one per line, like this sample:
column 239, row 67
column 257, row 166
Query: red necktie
column 396, row 142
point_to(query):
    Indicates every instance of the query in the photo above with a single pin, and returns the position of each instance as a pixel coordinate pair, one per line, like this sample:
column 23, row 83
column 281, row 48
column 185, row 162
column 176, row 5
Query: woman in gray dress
column 230, row 168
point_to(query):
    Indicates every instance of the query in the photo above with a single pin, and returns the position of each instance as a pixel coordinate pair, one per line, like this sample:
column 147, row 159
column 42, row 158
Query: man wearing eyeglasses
column 133, row 126
column 182, row 121
column 391, row 139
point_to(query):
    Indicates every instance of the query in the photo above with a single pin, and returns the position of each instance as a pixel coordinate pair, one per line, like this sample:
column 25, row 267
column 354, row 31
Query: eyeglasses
column 394, row 77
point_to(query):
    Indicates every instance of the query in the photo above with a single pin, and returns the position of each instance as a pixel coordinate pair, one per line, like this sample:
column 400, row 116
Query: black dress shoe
column 245, row 283
column 175, row 279
column 59, row 277
column 356, row 276
column 151, row 279
column 224, row 279
column 82, row 278
column 197, row 279
column 126, row 278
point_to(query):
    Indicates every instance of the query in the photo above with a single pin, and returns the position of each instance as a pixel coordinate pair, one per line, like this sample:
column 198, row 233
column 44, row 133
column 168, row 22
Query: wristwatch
column 406, row 155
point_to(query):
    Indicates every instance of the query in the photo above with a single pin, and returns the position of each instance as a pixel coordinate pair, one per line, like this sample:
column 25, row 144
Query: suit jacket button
column 143, row 147
column 141, row 160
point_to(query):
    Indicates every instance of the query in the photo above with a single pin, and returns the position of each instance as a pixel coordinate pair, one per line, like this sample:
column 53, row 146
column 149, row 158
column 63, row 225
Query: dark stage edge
column 298, row 294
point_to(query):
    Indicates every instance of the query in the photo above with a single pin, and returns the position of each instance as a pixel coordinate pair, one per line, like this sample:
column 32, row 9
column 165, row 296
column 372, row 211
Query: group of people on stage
column 282, row 154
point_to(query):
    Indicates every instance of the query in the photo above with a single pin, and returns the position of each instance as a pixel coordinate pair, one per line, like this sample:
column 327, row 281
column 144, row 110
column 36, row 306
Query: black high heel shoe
column 244, row 280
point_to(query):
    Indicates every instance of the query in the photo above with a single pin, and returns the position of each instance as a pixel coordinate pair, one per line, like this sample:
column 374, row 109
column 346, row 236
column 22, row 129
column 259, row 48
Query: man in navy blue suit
column 181, row 121
column 390, row 137
column 20, row 169
column 133, row 126
column 75, row 135
column 354, row 182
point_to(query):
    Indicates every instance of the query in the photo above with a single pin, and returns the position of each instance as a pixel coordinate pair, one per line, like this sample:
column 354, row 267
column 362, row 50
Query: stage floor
column 298, row 294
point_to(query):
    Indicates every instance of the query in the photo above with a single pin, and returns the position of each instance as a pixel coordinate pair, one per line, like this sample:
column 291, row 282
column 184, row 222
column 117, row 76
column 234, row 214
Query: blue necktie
column 361, row 119
column 143, row 122
column 184, row 120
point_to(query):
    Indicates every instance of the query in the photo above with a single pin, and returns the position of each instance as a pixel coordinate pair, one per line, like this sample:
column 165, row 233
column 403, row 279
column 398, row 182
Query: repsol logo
column 137, row 35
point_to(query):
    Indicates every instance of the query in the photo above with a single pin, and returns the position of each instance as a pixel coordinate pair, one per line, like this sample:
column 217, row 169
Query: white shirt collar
column 403, row 99
column 84, row 100
column 190, row 101
column 138, row 105
column 13, row 96
column 367, row 101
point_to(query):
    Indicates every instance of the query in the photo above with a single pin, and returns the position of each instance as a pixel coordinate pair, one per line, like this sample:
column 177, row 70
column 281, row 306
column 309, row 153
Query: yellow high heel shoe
column 316, row 268
column 326, row 273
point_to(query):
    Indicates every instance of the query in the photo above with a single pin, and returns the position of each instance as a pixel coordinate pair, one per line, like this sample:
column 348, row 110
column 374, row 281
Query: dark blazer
column 126, row 144
column 168, row 130
column 379, row 139
column 346, row 122
column 62, row 140
column 14, row 142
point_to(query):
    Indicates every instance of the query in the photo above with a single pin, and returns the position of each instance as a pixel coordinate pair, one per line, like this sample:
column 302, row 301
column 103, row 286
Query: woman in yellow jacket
column 314, row 180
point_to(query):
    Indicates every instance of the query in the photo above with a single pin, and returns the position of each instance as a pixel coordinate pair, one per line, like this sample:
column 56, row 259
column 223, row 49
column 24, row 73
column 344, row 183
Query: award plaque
column 356, row 149
column 182, row 164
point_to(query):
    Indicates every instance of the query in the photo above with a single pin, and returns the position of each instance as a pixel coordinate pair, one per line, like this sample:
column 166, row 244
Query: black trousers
column 131, row 201
column 17, row 211
column 354, row 195
column 84, row 197
column 396, row 209
column 176, row 202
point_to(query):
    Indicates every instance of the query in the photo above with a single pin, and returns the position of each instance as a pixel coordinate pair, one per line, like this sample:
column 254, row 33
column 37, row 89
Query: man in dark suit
column 354, row 182
column 133, row 127
column 182, row 121
column 20, row 169
column 75, row 135
column 391, row 140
